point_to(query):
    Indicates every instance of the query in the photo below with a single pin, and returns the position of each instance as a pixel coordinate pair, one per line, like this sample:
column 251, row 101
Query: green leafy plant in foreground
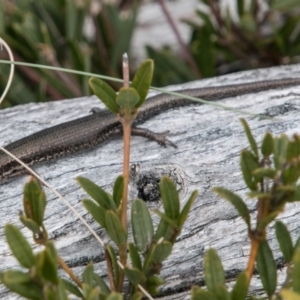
column 149, row 247
column 271, row 174
column 147, row 251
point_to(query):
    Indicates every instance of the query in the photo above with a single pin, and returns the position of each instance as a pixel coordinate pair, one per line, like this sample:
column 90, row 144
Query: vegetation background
column 91, row 36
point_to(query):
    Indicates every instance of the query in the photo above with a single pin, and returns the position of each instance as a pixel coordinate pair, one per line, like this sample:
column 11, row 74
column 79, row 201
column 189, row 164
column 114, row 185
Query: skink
column 91, row 130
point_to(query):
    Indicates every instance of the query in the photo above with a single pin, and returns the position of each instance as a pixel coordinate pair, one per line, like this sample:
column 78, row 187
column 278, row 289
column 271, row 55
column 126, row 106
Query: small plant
column 271, row 173
column 149, row 247
column 147, row 251
column 258, row 34
column 262, row 35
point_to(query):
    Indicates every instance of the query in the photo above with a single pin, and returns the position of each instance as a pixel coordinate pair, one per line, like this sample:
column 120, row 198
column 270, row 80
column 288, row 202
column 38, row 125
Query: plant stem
column 252, row 257
column 186, row 52
column 126, row 123
column 126, row 141
column 69, row 271
column 257, row 236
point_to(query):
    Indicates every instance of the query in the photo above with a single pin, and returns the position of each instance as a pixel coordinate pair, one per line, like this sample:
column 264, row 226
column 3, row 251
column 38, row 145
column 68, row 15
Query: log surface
column 209, row 141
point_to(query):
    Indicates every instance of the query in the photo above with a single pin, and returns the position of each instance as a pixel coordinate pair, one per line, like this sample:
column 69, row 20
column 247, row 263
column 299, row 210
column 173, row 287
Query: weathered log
column 209, row 141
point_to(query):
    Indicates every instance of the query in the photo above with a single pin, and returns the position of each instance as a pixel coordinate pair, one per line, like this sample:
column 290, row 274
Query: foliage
column 148, row 249
column 271, row 173
column 53, row 33
column 147, row 252
column 258, row 34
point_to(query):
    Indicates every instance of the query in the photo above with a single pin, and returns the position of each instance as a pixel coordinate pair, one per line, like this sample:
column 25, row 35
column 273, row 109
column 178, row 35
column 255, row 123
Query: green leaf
column 134, row 256
column 267, row 145
column 296, row 271
column 166, row 218
column 240, row 7
column 137, row 296
column 240, row 289
column 101, row 283
column 118, row 190
column 289, row 295
column 50, row 246
column 114, row 263
column 250, row 137
column 186, row 209
column 87, row 290
column 72, row 20
column 203, row 48
column 127, row 98
column 236, row 201
column 105, row 93
column 123, row 32
column 19, row 246
column 267, row 220
column 161, row 251
column 148, row 258
column 114, row 228
column 222, row 293
column 87, row 276
column 15, row 277
column 30, row 224
column 284, row 240
column 142, row 226
column 170, row 198
column 248, row 164
column 290, row 175
column 134, row 275
column 199, row 294
column 96, row 192
column 34, row 201
column 114, row 296
column 261, row 195
column 295, row 196
column 292, row 151
column 155, row 280
column 142, row 79
column 153, row 283
column 260, row 173
column 213, row 271
column 267, row 268
column 72, row 288
column 61, row 292
column 90, row 293
column 29, row 290
column 47, row 263
column 97, row 212
column 164, row 230
column 280, row 148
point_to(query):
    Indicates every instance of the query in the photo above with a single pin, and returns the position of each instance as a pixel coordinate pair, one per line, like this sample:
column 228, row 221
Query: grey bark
column 209, row 141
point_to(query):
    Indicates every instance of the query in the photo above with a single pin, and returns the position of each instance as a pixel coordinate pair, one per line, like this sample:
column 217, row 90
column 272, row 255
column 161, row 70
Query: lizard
column 94, row 129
